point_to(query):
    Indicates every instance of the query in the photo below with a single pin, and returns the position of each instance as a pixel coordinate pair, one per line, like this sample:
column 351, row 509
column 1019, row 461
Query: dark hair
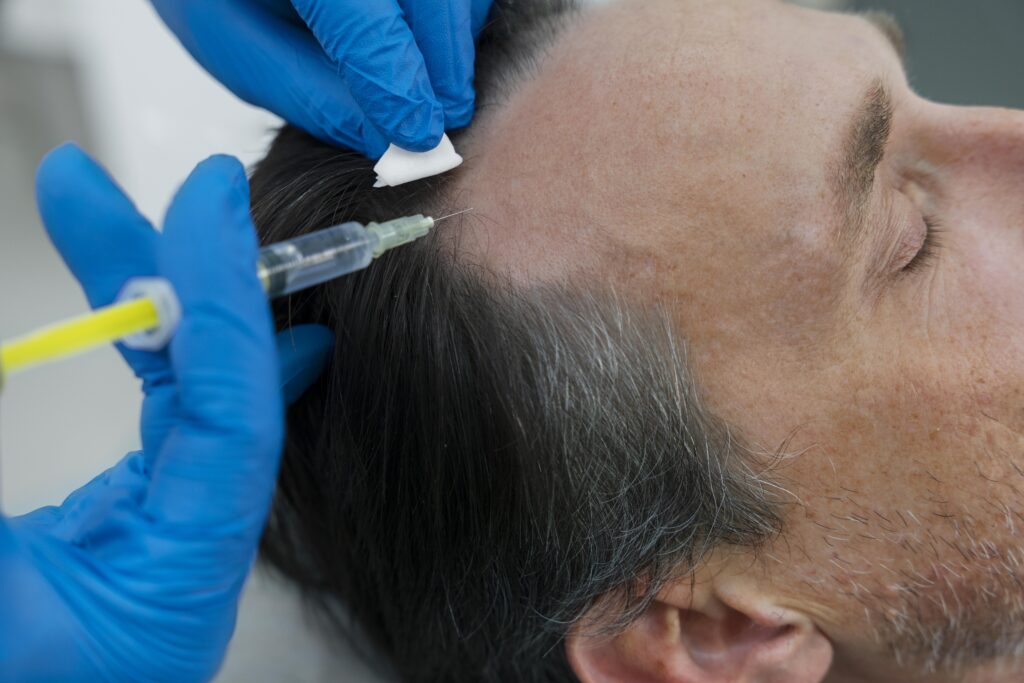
column 485, row 463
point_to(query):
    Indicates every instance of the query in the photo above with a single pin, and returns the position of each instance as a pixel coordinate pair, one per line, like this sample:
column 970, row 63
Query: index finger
column 218, row 464
column 444, row 34
column 378, row 57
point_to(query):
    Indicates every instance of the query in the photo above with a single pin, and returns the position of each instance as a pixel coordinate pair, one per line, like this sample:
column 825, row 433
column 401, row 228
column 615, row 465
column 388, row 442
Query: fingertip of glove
column 458, row 115
column 226, row 167
column 374, row 144
column 416, row 144
column 60, row 165
column 307, row 342
column 67, row 151
column 304, row 351
column 209, row 216
column 218, row 183
column 479, row 11
column 420, row 130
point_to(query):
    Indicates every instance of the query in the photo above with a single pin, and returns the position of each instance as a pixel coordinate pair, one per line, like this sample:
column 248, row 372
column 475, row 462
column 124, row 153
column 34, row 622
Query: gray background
column 962, row 51
column 106, row 73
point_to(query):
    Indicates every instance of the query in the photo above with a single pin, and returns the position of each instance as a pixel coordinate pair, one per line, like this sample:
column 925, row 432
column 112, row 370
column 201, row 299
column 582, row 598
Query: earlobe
column 698, row 637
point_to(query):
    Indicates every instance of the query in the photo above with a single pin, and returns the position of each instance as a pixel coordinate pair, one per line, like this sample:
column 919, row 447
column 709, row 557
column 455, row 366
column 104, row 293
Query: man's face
column 719, row 156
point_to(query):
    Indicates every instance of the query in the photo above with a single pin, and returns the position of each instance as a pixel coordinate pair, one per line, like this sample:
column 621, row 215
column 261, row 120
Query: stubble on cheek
column 921, row 549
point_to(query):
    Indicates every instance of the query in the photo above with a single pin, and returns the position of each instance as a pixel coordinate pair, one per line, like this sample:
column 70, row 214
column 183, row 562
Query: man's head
column 749, row 197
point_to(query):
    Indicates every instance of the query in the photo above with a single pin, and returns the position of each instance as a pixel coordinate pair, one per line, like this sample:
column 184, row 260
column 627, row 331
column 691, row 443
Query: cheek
column 772, row 297
column 884, row 425
column 939, row 375
column 800, row 301
column 905, row 443
column 981, row 327
column 895, row 475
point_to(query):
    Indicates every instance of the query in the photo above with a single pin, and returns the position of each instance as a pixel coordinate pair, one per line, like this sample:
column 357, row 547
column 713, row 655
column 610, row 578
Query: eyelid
column 930, row 249
column 903, row 234
column 913, row 241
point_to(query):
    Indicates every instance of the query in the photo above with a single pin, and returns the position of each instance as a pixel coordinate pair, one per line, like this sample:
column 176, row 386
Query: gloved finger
column 124, row 483
column 303, row 351
column 479, row 12
column 218, row 463
column 8, row 542
column 33, row 644
column 102, row 237
column 444, row 36
column 377, row 54
column 274, row 63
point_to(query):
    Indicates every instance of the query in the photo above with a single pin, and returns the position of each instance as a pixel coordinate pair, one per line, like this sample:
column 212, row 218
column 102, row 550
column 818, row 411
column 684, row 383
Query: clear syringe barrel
column 323, row 255
column 316, row 257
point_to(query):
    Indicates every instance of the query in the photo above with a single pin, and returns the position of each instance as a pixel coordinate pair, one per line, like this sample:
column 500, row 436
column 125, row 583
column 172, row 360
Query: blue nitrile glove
column 360, row 73
column 136, row 577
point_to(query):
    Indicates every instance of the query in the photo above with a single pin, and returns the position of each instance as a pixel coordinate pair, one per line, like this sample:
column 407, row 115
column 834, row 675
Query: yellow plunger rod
column 75, row 335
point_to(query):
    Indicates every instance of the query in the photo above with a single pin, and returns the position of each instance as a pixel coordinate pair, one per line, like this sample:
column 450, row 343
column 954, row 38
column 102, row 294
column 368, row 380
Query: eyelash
column 930, row 248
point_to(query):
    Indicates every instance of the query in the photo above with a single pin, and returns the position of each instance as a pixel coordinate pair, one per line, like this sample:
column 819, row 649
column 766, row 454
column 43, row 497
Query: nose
column 989, row 140
column 979, row 155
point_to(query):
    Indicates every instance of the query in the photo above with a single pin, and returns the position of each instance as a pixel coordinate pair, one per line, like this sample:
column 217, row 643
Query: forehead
column 647, row 110
column 651, row 114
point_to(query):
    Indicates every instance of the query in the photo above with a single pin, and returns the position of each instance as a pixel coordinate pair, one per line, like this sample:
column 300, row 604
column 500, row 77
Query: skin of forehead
column 648, row 153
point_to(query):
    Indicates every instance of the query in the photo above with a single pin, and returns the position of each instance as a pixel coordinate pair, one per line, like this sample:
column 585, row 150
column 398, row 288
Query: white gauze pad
column 399, row 165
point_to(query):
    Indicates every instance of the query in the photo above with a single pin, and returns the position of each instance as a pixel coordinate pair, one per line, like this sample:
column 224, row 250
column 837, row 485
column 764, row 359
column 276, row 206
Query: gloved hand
column 360, row 73
column 136, row 577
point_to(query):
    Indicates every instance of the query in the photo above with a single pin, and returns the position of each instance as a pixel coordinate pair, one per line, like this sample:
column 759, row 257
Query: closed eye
column 930, row 247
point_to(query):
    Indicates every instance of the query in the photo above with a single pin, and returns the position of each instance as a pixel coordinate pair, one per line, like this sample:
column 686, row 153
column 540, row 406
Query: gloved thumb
column 7, row 541
column 303, row 352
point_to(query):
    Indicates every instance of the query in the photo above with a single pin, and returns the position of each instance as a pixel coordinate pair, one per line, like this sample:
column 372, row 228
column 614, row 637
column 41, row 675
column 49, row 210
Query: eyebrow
column 862, row 152
column 864, row 145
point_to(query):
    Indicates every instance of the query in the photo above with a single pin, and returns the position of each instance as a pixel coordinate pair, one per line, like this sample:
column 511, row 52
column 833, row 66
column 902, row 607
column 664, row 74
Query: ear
column 717, row 631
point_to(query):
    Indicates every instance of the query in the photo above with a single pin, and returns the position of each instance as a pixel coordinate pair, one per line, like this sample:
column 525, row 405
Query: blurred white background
column 108, row 75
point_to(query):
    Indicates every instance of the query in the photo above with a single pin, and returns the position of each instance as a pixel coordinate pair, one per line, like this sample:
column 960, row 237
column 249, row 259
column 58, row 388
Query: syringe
column 147, row 311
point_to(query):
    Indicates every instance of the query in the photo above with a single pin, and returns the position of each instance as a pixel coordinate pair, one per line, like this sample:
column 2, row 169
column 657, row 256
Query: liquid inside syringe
column 310, row 259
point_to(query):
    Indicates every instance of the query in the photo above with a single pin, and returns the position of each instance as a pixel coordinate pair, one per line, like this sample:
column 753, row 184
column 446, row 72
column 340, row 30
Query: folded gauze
column 399, row 165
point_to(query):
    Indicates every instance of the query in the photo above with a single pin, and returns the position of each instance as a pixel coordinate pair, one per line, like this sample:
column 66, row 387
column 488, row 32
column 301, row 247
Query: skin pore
column 696, row 153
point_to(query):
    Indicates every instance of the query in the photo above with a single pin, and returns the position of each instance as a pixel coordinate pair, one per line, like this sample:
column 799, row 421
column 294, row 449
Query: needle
column 438, row 220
